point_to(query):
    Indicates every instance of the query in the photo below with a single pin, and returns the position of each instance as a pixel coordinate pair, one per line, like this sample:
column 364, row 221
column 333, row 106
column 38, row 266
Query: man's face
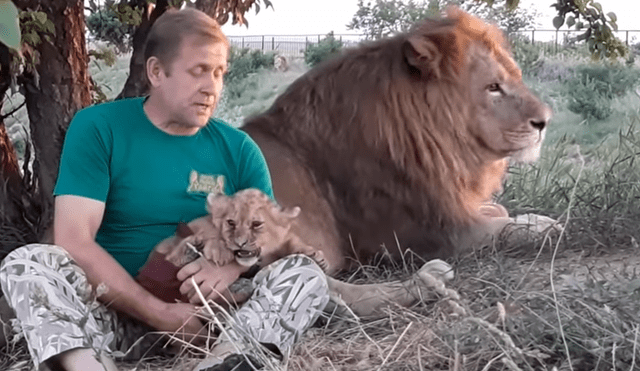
column 190, row 87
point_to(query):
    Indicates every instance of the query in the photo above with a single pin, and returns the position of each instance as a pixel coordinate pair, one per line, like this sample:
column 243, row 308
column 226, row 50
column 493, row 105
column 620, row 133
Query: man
column 130, row 171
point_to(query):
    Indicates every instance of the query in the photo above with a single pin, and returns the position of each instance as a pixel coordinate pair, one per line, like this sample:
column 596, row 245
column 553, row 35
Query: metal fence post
column 556, row 41
column 273, row 43
column 627, row 42
column 533, row 36
column 263, row 44
column 242, row 42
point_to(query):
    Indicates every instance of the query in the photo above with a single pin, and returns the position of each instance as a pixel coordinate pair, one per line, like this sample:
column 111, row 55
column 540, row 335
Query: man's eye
column 196, row 71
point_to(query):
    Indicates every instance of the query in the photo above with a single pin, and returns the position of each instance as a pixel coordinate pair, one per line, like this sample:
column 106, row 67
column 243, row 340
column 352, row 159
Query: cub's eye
column 494, row 88
column 256, row 224
column 231, row 223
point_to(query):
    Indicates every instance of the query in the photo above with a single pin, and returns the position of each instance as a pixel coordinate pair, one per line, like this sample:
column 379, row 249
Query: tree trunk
column 64, row 87
column 60, row 87
column 136, row 84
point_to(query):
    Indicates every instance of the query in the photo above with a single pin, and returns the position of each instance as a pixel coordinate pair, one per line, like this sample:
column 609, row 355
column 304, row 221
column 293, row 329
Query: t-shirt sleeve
column 254, row 172
column 84, row 163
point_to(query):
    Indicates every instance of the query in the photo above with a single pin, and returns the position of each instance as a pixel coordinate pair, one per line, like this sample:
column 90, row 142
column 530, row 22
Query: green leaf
column 558, row 22
column 571, row 21
column 612, row 16
column 597, row 6
column 614, row 25
column 41, row 17
column 9, row 25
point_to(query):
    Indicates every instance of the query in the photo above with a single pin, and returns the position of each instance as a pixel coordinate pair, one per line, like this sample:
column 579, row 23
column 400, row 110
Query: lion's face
column 249, row 222
column 506, row 118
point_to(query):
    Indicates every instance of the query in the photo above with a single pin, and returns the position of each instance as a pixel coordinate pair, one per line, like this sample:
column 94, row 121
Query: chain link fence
column 294, row 45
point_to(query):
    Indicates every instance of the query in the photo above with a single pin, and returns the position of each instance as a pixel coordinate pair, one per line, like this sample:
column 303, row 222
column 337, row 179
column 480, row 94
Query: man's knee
column 31, row 260
column 294, row 268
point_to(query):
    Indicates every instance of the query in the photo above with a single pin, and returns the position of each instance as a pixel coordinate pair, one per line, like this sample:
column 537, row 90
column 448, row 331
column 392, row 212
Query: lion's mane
column 407, row 153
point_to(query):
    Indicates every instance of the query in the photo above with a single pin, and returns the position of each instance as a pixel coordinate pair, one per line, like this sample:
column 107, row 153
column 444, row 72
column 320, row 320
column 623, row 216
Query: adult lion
column 402, row 141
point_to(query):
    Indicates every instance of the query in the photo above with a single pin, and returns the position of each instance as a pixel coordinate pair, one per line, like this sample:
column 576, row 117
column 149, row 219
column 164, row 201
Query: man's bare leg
column 81, row 359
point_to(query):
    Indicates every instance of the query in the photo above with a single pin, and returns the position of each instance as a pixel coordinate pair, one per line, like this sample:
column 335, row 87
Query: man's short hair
column 171, row 28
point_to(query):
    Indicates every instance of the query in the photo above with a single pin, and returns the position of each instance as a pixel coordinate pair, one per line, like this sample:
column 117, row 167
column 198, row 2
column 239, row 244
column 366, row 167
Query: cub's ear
column 291, row 212
column 429, row 46
column 217, row 204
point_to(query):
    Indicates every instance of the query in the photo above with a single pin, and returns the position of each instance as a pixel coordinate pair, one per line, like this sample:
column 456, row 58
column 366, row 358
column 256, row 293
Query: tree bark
column 59, row 88
column 136, row 84
column 64, row 87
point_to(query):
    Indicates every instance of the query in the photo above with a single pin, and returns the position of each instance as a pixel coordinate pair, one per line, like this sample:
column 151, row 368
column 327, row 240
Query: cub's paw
column 318, row 257
column 219, row 255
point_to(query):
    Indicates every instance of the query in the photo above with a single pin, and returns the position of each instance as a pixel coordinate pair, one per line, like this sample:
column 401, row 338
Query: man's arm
column 76, row 223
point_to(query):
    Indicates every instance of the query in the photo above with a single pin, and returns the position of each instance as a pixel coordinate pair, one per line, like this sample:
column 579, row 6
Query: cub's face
column 250, row 222
column 506, row 118
column 242, row 228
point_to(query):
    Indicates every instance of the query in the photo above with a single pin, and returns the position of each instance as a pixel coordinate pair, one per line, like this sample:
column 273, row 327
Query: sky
column 313, row 17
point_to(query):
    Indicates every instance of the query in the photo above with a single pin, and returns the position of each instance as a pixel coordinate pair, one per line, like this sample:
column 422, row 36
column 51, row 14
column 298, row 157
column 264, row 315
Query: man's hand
column 212, row 280
column 180, row 320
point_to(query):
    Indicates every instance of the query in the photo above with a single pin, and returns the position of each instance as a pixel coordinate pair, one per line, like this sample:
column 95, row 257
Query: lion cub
column 248, row 227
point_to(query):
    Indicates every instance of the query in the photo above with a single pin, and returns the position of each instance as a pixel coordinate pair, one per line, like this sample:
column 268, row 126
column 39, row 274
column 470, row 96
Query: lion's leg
column 369, row 300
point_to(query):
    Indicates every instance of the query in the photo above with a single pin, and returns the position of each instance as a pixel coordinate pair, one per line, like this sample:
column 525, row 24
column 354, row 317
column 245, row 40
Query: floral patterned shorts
column 57, row 311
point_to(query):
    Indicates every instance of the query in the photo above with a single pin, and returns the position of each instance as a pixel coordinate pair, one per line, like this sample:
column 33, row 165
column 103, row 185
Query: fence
column 290, row 45
column 556, row 40
column 295, row 45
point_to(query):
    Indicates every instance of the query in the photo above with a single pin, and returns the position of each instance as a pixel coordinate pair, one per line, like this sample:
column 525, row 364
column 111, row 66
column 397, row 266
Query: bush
column 528, row 56
column 323, row 50
column 594, row 87
column 104, row 25
column 243, row 62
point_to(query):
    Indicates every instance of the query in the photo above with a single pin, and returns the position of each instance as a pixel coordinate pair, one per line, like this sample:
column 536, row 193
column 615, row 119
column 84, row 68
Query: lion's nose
column 538, row 124
column 540, row 119
column 241, row 243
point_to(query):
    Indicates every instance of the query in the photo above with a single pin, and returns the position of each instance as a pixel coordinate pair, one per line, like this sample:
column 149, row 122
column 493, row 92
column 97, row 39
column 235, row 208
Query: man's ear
column 154, row 71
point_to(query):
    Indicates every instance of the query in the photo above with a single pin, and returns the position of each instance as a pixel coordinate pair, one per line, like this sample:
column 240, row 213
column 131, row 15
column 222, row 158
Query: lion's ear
column 428, row 45
column 217, row 204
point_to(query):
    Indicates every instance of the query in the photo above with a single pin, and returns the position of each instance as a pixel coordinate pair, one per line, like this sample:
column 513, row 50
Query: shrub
column 527, row 55
column 594, row 87
column 323, row 50
column 104, row 25
column 243, row 62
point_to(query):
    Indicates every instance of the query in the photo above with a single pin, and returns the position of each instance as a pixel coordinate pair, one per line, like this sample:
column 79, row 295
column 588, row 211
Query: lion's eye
column 231, row 223
column 494, row 88
column 256, row 224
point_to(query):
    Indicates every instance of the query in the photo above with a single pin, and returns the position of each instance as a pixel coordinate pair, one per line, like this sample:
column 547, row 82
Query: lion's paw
column 434, row 274
column 437, row 268
column 536, row 223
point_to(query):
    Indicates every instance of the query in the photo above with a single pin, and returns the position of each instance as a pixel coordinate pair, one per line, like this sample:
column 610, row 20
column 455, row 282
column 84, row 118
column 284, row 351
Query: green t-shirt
column 150, row 180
